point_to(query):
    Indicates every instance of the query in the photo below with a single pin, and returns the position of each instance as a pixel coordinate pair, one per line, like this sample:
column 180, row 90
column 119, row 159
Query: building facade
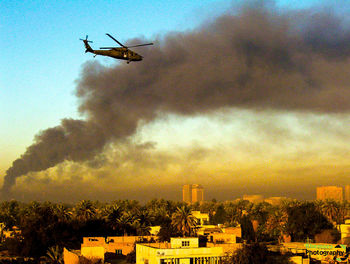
column 347, row 193
column 202, row 218
column 329, row 192
column 187, row 193
column 96, row 247
column 197, row 193
column 181, row 251
column 192, row 193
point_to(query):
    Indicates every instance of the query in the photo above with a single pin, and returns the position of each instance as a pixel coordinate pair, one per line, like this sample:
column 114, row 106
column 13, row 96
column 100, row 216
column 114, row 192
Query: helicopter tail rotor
column 86, row 39
column 86, row 43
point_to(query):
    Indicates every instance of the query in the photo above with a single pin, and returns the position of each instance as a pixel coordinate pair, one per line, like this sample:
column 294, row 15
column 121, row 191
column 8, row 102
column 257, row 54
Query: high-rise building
column 347, row 193
column 329, row 192
column 192, row 193
column 187, row 193
column 197, row 193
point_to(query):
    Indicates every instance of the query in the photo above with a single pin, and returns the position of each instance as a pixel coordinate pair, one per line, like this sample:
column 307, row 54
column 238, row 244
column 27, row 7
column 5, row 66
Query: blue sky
column 41, row 56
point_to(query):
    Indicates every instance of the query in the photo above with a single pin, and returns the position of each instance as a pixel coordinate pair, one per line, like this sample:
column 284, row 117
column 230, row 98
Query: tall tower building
column 329, row 192
column 347, row 193
column 187, row 193
column 197, row 193
column 192, row 193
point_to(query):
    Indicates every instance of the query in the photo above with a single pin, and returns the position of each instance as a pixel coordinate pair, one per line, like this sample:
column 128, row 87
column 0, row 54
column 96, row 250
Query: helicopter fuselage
column 119, row 53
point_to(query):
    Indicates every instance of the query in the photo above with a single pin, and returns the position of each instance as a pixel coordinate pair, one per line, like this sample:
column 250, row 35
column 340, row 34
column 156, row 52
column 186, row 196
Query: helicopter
column 121, row 53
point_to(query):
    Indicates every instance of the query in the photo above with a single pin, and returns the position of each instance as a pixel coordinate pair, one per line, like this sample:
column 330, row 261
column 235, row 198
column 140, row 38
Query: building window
column 185, row 243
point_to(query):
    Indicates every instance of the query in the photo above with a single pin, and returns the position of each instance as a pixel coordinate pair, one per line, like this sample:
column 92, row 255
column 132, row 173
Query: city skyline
column 214, row 101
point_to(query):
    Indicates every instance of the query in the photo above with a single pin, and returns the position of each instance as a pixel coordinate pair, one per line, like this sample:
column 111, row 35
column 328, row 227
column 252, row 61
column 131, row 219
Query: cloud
column 257, row 58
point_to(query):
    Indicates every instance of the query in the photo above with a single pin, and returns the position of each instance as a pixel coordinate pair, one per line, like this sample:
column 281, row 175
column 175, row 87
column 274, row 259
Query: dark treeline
column 45, row 225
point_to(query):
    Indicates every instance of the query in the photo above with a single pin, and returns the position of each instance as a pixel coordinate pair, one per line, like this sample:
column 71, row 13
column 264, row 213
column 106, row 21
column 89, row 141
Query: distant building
column 197, row 193
column 329, row 192
column 187, row 193
column 255, row 198
column 275, row 200
column 347, row 193
column 192, row 193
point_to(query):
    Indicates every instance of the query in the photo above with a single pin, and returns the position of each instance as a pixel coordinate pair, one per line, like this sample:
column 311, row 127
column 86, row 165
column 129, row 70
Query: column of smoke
column 255, row 58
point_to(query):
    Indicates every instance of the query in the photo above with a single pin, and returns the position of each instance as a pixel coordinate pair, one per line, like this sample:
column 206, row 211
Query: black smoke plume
column 255, row 58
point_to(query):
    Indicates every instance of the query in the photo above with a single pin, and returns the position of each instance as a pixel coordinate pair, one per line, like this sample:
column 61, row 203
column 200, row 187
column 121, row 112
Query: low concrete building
column 180, row 251
column 70, row 257
column 202, row 218
column 222, row 238
column 345, row 232
column 97, row 247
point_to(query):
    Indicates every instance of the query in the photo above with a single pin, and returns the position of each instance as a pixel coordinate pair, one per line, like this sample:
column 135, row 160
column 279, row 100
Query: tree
column 85, row 210
column 248, row 233
column 219, row 217
column 305, row 221
column 255, row 254
column 331, row 209
column 39, row 229
column 127, row 223
column 167, row 230
column 184, row 221
column 62, row 212
column 54, row 255
column 111, row 214
column 9, row 213
column 275, row 225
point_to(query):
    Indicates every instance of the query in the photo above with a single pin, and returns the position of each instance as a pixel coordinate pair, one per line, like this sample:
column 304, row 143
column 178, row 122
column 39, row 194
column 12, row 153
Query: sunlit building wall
column 197, row 193
column 187, row 193
column 347, row 193
column 329, row 192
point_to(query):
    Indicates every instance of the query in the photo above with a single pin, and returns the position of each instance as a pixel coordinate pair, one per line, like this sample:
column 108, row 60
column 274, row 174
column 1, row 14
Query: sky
column 234, row 149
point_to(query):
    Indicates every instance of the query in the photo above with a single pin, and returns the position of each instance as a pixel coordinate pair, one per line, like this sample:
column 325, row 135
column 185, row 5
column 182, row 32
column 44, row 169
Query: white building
column 180, row 251
column 345, row 232
column 202, row 218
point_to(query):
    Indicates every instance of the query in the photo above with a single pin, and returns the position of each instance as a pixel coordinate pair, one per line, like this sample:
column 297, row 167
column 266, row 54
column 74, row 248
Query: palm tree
column 54, row 255
column 331, row 209
column 62, row 212
column 85, row 210
column 111, row 214
column 276, row 223
column 126, row 223
column 10, row 213
column 184, row 221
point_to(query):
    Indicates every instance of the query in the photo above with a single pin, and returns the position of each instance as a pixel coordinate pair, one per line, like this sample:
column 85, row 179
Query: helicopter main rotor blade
column 109, row 47
column 140, row 45
column 115, row 40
